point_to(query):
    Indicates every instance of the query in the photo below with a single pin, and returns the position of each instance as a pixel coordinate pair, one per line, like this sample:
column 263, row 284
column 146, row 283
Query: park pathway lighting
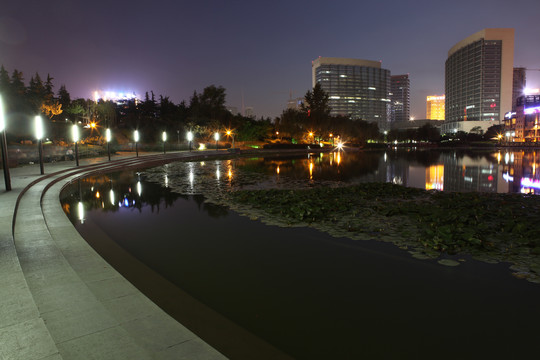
column 216, row 137
column 190, row 139
column 136, row 138
column 38, row 122
column 3, row 147
column 75, row 138
column 164, row 138
column 231, row 134
column 108, row 138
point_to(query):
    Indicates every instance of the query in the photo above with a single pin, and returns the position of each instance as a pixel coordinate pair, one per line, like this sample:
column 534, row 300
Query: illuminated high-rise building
column 400, row 97
column 478, row 78
column 358, row 89
column 435, row 107
column 519, row 82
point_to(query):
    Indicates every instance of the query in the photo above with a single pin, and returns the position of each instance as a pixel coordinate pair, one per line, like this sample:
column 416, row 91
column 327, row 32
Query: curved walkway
column 59, row 299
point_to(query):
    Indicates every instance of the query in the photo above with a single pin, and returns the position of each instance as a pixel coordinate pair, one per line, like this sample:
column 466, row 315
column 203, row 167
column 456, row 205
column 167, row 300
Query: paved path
column 58, row 298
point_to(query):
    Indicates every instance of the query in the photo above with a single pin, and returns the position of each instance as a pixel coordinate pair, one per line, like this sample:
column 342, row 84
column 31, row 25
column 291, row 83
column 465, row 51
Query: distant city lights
column 531, row 91
column 115, row 96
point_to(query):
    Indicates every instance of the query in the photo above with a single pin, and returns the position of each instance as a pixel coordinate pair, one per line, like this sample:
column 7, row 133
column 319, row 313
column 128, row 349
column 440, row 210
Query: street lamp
column 332, row 137
column 190, row 139
column 39, row 136
column 75, row 136
column 164, row 138
column 216, row 137
column 136, row 138
column 230, row 133
column 108, row 137
column 3, row 147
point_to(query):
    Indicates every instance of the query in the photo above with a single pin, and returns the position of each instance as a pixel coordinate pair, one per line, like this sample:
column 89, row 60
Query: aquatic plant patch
column 491, row 227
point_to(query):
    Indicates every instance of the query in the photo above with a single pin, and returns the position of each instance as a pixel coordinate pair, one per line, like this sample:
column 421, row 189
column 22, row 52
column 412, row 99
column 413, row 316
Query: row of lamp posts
column 38, row 124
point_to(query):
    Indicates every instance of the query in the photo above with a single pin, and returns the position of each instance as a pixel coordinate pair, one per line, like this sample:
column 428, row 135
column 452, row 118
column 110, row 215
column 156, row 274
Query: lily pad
column 448, row 262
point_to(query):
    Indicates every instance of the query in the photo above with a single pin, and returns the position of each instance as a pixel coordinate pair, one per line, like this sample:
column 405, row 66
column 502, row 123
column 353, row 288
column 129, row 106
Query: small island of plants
column 429, row 224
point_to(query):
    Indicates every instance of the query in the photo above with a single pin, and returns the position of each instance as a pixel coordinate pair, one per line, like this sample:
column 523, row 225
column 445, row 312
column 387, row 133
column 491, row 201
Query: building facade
column 400, row 95
column 519, row 83
column 358, row 89
column 523, row 125
column 435, row 107
column 479, row 76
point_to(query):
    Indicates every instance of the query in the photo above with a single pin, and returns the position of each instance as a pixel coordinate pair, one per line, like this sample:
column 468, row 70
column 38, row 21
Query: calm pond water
column 308, row 294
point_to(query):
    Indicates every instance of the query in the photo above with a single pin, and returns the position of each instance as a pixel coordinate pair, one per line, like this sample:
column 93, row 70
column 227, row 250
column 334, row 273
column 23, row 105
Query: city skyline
column 259, row 53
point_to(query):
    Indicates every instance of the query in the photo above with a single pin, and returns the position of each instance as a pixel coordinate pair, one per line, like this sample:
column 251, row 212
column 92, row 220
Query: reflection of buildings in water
column 520, row 171
column 467, row 174
column 435, row 177
column 395, row 171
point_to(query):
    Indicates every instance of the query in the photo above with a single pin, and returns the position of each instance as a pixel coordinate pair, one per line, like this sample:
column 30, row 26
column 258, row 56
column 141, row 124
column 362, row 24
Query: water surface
column 311, row 295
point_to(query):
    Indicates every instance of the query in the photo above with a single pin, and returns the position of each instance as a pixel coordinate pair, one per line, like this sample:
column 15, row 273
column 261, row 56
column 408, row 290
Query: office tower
column 435, row 107
column 400, row 97
column 358, row 89
column 519, row 82
column 478, row 77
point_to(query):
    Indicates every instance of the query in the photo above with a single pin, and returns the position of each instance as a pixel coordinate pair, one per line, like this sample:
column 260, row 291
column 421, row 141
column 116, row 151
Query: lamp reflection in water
column 218, row 173
column 191, row 176
column 311, row 170
column 229, row 170
column 80, row 208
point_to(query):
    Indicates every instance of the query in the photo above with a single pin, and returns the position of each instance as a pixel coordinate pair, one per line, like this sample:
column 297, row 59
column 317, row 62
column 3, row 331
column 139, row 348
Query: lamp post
column 189, row 138
column 3, row 147
column 230, row 133
column 108, row 137
column 332, row 137
column 164, row 138
column 216, row 137
column 39, row 136
column 136, row 138
column 75, row 136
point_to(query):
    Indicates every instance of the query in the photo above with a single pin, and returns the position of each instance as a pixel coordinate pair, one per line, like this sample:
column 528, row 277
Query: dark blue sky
column 261, row 49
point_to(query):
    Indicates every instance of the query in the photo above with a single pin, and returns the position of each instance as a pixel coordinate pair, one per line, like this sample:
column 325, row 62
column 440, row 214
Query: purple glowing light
column 532, row 110
column 530, row 183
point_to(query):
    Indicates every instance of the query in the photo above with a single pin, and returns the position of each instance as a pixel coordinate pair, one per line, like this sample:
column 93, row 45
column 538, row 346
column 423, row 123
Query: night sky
column 262, row 50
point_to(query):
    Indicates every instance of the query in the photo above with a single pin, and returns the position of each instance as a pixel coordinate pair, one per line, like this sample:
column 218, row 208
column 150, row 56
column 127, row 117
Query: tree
column 427, row 132
column 63, row 97
column 209, row 105
column 51, row 110
column 292, row 123
column 317, row 109
column 4, row 81
column 48, row 91
column 36, row 93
